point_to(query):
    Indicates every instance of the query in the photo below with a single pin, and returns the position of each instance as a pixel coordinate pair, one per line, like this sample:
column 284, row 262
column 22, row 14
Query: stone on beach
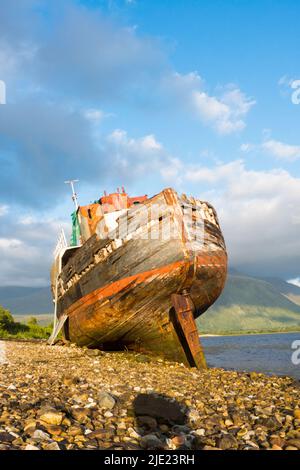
column 228, row 441
column 151, row 441
column 40, row 435
column 31, row 447
column 297, row 413
column 159, row 408
column 106, row 401
column 6, row 437
column 62, row 398
column 52, row 417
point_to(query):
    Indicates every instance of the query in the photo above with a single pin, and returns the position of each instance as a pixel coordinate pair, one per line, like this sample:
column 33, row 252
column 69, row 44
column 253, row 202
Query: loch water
column 267, row 353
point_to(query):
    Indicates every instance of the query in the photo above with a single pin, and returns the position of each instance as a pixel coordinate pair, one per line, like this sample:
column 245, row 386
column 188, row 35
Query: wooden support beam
column 186, row 328
column 57, row 329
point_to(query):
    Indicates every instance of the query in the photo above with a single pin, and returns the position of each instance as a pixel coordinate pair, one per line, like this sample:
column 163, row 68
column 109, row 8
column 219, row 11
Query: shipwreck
column 138, row 273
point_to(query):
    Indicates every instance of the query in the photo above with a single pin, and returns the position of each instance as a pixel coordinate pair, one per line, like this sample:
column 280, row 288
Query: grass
column 248, row 319
column 295, row 329
column 25, row 331
column 10, row 329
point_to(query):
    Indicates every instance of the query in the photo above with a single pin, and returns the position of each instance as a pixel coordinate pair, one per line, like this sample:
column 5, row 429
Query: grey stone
column 40, row 435
column 159, row 408
column 228, row 441
column 106, row 401
column 150, row 441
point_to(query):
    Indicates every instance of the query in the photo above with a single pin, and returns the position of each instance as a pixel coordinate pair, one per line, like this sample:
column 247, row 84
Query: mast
column 74, row 194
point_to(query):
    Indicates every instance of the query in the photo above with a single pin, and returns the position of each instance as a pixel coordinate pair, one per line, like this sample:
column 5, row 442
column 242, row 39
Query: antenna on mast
column 74, row 194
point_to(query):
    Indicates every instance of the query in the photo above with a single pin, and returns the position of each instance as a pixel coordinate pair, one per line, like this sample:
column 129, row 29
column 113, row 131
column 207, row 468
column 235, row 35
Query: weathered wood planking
column 119, row 293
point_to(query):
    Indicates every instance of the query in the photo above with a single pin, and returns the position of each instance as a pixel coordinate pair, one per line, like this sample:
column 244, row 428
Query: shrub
column 11, row 329
column 6, row 319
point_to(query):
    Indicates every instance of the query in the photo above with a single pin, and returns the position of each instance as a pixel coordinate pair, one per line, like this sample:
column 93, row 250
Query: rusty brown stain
column 184, row 318
column 112, row 289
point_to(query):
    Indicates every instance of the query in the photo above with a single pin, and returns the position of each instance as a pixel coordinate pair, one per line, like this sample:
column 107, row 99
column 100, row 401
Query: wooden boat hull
column 119, row 297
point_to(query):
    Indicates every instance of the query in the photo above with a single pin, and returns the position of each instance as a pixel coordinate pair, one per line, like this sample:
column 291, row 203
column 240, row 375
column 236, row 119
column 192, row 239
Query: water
column 270, row 354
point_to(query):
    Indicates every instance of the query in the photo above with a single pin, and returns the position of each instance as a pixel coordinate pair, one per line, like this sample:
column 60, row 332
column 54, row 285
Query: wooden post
column 187, row 331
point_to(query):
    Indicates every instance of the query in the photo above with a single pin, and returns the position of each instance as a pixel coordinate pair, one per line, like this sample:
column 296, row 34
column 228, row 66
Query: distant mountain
column 26, row 300
column 252, row 304
column 289, row 290
column 247, row 304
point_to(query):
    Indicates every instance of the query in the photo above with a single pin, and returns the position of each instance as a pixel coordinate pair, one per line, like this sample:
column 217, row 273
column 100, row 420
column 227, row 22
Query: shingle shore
column 57, row 398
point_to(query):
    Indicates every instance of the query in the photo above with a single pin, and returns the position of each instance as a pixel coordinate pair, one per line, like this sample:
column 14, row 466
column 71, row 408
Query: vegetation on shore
column 291, row 329
column 10, row 329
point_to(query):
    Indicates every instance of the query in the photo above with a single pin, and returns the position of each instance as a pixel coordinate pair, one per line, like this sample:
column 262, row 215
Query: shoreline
column 217, row 335
column 68, row 398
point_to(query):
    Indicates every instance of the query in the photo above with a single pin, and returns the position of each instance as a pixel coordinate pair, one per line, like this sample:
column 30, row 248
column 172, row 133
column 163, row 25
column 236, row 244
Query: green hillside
column 289, row 290
column 250, row 304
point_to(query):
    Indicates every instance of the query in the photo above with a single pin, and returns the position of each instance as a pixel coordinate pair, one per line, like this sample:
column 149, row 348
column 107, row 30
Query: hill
column 289, row 290
column 26, row 300
column 252, row 304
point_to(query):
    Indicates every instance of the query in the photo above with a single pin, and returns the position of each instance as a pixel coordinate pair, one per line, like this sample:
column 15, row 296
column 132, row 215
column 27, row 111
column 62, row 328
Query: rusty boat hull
column 143, row 293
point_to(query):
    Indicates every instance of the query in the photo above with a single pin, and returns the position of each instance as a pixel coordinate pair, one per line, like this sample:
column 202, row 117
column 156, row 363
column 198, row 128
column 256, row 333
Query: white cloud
column 8, row 60
column 94, row 115
column 171, row 169
column 150, row 143
column 258, row 211
column 8, row 243
column 3, row 210
column 275, row 148
column 225, row 113
column 134, row 157
column 27, row 220
column 144, row 144
column 295, row 282
column 282, row 150
column 213, row 175
column 246, row 147
column 183, row 84
column 285, row 81
column 209, row 107
column 27, row 256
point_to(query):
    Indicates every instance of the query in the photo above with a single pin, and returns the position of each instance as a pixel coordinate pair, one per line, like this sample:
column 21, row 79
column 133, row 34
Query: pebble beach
column 68, row 398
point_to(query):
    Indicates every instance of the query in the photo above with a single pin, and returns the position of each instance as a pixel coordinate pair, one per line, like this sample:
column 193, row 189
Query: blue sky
column 143, row 93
